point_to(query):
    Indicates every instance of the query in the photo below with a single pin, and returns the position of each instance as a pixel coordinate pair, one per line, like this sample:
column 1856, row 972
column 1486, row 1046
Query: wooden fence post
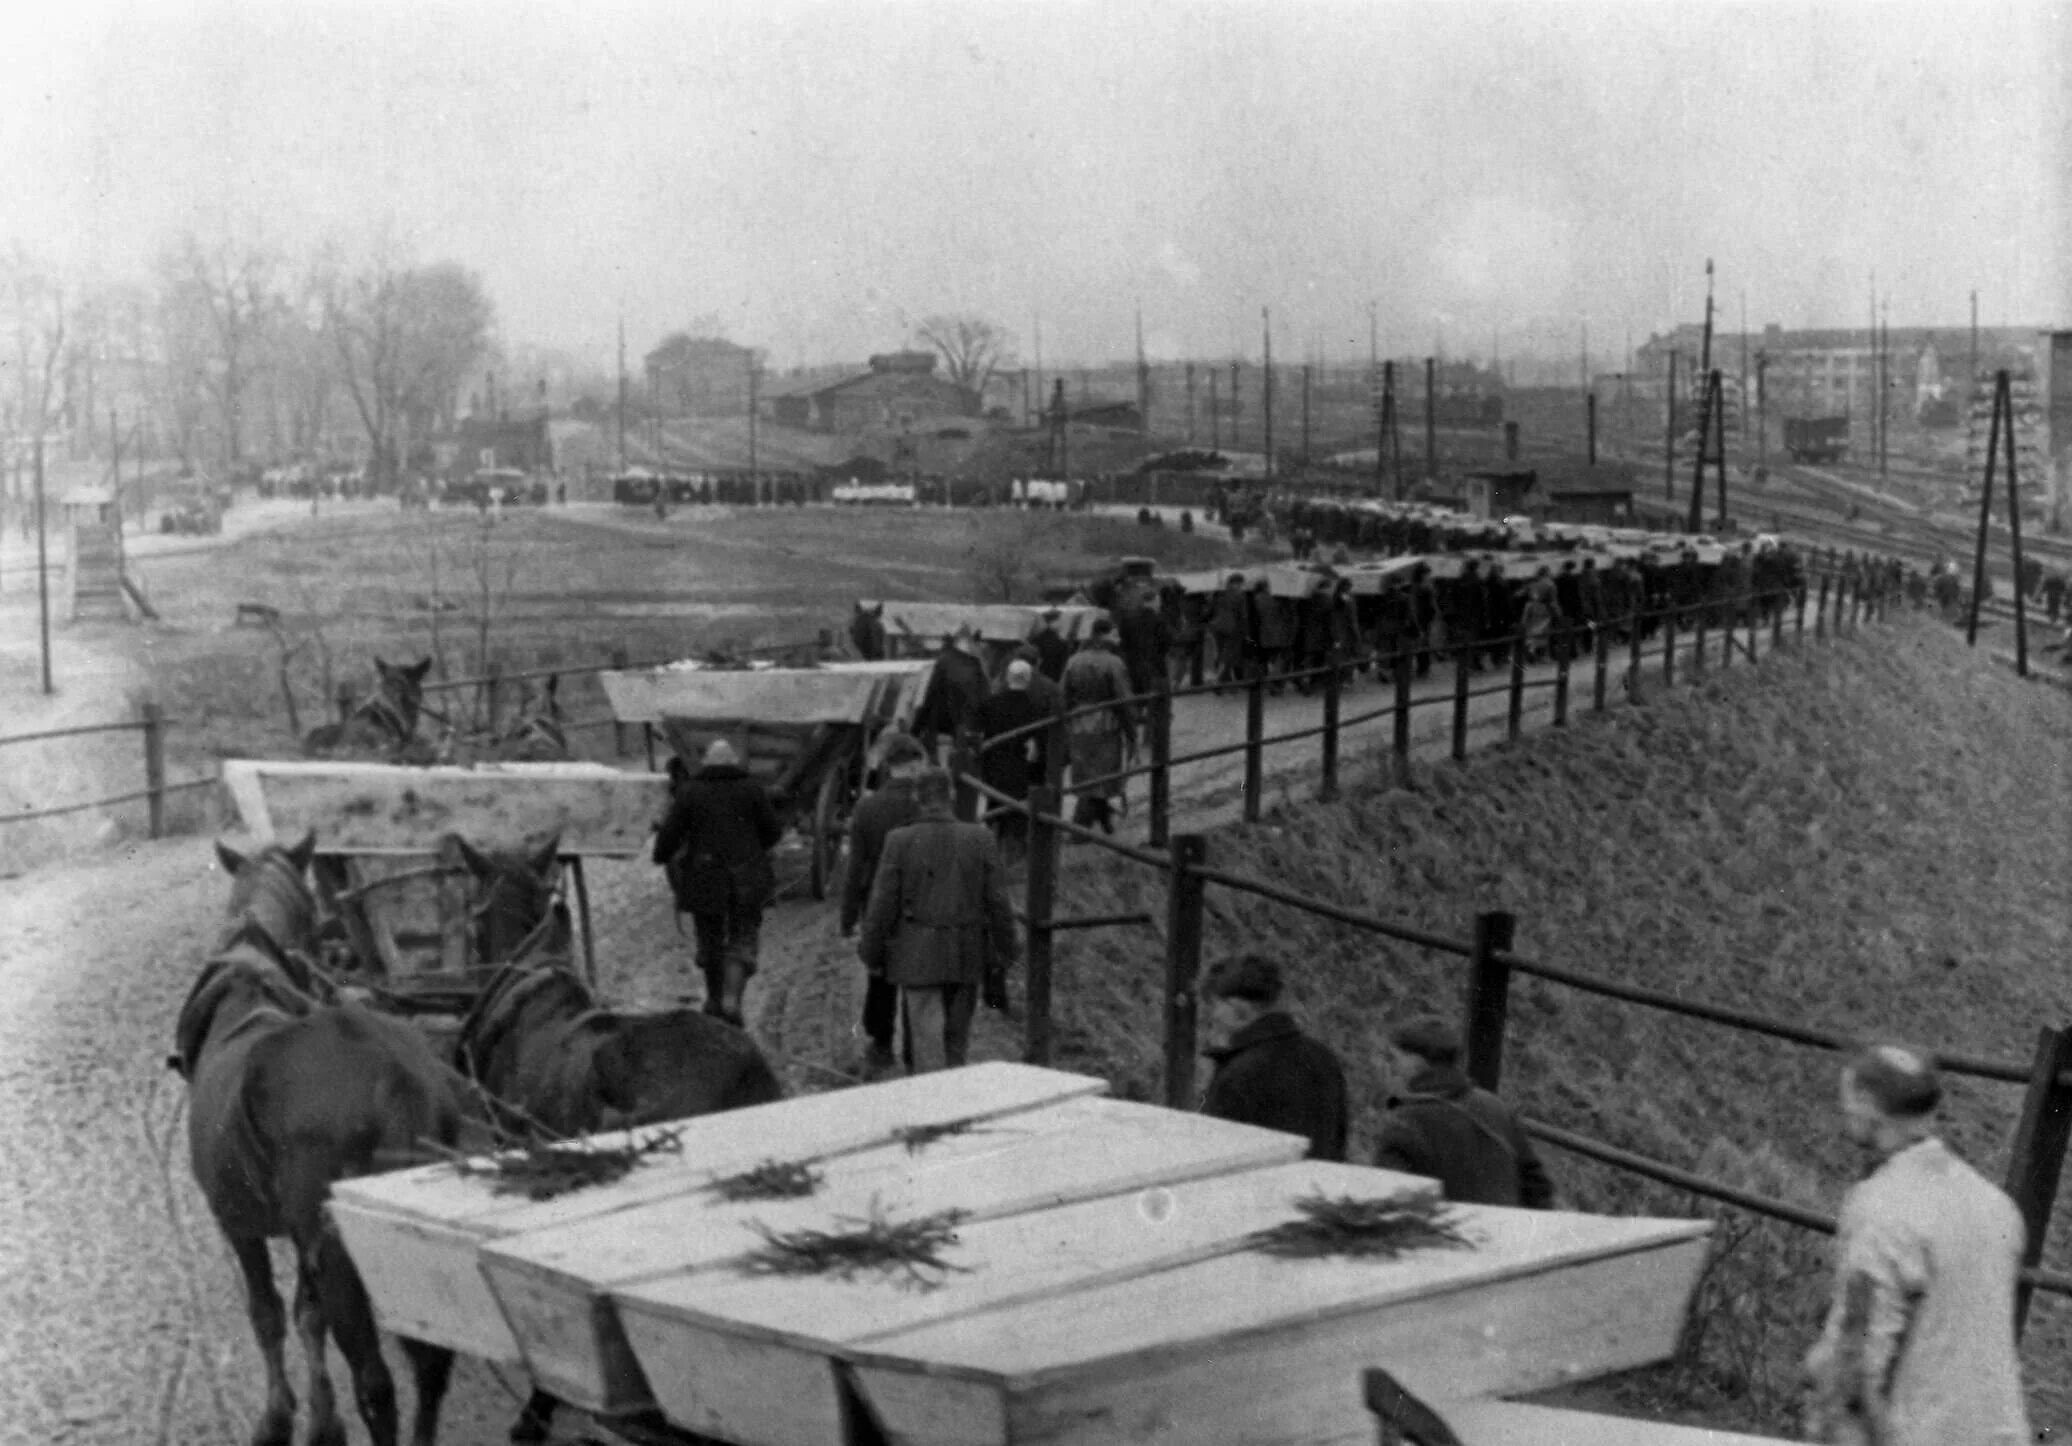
column 1400, row 722
column 1183, row 966
column 1562, row 650
column 619, row 662
column 1669, row 647
column 1460, row 704
column 2038, row 1154
column 1327, row 782
column 1820, row 610
column 1698, row 645
column 1601, row 661
column 1161, row 730
column 1489, row 997
column 154, row 765
column 1514, row 720
column 1040, row 902
column 1255, row 731
column 1635, row 662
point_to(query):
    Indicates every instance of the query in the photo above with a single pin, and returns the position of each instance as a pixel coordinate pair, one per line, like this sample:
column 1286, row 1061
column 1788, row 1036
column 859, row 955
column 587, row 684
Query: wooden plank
column 1508, row 1423
column 550, row 1281
column 1247, row 1348
column 375, row 808
column 456, row 1213
column 1014, row 1260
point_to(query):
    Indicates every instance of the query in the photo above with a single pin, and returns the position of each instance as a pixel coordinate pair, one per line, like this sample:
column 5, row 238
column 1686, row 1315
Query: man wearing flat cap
column 1441, row 1126
column 1268, row 1072
column 715, row 842
column 1918, row 1348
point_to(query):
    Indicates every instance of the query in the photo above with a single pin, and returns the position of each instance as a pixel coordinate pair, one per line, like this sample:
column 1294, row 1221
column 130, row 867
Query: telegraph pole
column 1215, row 414
column 753, row 382
column 622, row 393
column 1431, row 418
column 1669, row 436
column 1190, row 404
column 1143, row 379
column 1306, row 369
column 42, row 557
column 1266, row 386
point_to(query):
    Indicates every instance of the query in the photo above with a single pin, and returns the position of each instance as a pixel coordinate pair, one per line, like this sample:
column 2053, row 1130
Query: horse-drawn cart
column 807, row 733
column 1106, row 1280
column 380, row 828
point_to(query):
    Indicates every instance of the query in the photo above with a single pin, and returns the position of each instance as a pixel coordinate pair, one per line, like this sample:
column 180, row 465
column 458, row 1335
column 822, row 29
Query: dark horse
column 287, row 1093
column 385, row 723
column 537, row 1041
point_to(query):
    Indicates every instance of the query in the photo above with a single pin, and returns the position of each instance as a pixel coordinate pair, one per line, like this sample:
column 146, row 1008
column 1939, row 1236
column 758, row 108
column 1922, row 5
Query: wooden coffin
column 928, row 623
column 415, row 1234
column 1251, row 1350
column 1508, row 1423
column 834, row 693
column 380, row 808
column 753, row 1358
column 553, row 1284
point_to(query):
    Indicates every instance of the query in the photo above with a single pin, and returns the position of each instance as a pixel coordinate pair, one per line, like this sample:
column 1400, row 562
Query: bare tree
column 405, row 339
column 221, row 299
column 971, row 347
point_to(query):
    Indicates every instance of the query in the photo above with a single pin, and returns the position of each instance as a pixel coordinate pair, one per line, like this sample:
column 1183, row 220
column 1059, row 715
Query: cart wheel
column 827, row 836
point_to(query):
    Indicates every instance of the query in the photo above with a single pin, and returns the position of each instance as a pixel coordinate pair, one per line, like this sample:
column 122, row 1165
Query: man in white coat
column 1919, row 1347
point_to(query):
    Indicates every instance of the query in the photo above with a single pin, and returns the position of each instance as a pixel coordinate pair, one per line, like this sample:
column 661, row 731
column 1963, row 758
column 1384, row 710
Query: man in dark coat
column 1016, row 766
column 716, row 843
column 1268, row 1072
column 891, row 805
column 939, row 923
column 1142, row 638
column 1441, row 1126
column 949, row 709
column 1052, row 651
column 1230, row 626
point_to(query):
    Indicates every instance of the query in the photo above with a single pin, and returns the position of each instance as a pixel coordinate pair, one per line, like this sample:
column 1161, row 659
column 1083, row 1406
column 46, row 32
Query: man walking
column 1441, row 1126
column 716, row 843
column 1100, row 740
column 1268, row 1072
column 1918, row 1348
column 891, row 805
column 956, row 687
column 1052, row 651
column 939, row 923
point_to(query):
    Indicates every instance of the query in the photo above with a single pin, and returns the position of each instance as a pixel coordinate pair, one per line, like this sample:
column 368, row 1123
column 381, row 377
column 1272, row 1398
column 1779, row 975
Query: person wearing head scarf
column 715, row 843
column 1012, row 764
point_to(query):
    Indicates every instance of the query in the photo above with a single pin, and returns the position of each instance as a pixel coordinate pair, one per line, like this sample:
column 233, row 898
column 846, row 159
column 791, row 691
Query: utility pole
column 1971, row 383
column 1705, row 356
column 1431, row 418
column 1586, row 354
column 1143, row 379
column 1306, row 369
column 1384, row 423
column 42, row 557
column 1215, row 414
column 1266, row 385
column 1884, row 387
column 1036, row 323
column 115, row 481
column 1669, row 436
column 622, row 393
column 1233, row 404
column 753, row 387
column 1762, row 419
column 1190, row 404
column 1744, row 373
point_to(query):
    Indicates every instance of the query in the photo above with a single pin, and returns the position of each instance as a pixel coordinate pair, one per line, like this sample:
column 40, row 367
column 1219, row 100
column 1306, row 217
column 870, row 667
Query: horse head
column 514, row 894
column 399, row 697
column 270, row 892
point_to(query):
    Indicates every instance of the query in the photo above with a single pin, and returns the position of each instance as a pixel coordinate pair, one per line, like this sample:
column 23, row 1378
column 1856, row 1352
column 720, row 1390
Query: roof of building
column 682, row 347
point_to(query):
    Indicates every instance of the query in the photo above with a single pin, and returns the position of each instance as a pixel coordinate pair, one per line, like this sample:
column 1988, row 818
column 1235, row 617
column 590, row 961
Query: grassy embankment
column 1871, row 836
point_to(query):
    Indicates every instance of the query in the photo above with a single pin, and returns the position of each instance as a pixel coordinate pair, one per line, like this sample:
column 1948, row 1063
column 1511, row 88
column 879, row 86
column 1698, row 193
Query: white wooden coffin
column 553, row 1284
column 380, row 808
column 1509, row 1423
column 841, row 692
column 1251, row 1350
column 752, row 1358
column 931, row 622
column 415, row 1234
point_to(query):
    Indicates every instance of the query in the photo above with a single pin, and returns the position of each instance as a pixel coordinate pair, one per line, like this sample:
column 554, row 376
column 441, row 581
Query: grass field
column 1870, row 837
column 564, row 587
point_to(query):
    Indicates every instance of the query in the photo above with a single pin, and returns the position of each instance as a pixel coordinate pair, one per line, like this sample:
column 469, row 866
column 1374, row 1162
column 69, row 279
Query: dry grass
column 1870, row 837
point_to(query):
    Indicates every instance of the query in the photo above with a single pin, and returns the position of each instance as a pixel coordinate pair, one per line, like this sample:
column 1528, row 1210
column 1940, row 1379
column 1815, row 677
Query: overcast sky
column 821, row 176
